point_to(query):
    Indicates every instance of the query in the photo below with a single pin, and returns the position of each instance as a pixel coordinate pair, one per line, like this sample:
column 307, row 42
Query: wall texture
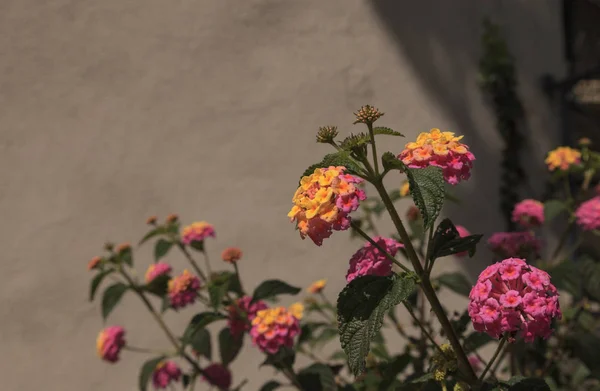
column 111, row 111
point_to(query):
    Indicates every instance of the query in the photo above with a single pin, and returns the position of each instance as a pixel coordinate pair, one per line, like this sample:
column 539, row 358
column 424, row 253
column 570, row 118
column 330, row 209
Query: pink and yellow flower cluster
column 155, row 270
column 370, row 261
column 440, row 149
column 165, row 373
column 516, row 298
column 273, row 328
column 562, row 158
column 183, row 289
column 197, row 232
column 109, row 343
column 324, row 201
column 240, row 322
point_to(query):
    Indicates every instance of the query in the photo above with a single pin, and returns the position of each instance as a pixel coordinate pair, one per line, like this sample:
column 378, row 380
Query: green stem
column 237, row 274
column 426, row 286
column 494, row 357
column 207, row 261
column 422, row 327
column 192, row 261
column 378, row 247
column 374, row 148
column 428, row 261
column 144, row 350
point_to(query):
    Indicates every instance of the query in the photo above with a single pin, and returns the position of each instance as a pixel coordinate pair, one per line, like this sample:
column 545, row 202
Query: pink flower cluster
column 165, row 373
column 155, row 270
column 463, row 233
column 197, row 232
column 273, row 328
column 528, row 213
column 514, row 244
column 514, row 297
column 218, row 376
column 183, row 289
column 370, row 261
column 238, row 324
column 109, row 343
column 588, row 214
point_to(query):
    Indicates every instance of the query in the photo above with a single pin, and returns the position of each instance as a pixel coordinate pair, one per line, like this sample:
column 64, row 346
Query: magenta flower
column 370, row 261
column 109, row 343
column 273, row 328
column 183, row 289
column 521, row 301
column 155, row 270
column 165, row 373
column 238, row 324
column 588, row 214
column 514, row 244
column 218, row 376
column 528, row 213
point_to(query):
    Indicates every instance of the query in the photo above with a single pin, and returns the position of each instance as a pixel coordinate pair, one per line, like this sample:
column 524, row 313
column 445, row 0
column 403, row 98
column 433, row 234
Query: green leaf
column 317, row 377
column 198, row 322
column 447, row 241
column 233, row 283
column 308, row 330
column 567, row 276
column 152, row 233
column 353, row 141
column 339, row 355
column 165, row 304
column 387, row 131
column 146, row 372
column 112, row 296
column 476, row 340
column 586, row 346
column 392, row 369
column 427, row 190
column 326, row 335
column 341, row 158
column 457, row 282
column 218, row 288
column 361, row 308
column 270, row 386
column 271, row 288
column 201, row 343
column 553, row 208
column 391, row 162
column 126, row 256
column 198, row 245
column 229, row 346
column 161, row 248
column 95, row 284
column 527, row 384
column 284, row 358
column 158, row 286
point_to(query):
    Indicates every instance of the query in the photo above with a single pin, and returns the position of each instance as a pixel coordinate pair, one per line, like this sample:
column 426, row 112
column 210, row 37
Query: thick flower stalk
column 370, row 261
column 273, row 328
column 440, row 149
column 588, row 214
column 219, row 376
column 165, row 373
column 240, row 322
column 562, row 158
column 197, row 232
column 109, row 343
column 528, row 213
column 324, row 201
column 155, row 270
column 514, row 244
column 515, row 298
column 183, row 289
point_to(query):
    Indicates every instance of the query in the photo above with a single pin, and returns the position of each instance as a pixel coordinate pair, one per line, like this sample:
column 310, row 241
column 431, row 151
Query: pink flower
column 238, row 324
column 463, row 233
column 324, row 201
column 273, row 328
column 514, row 244
column 165, row 373
column 588, row 214
column 109, row 343
column 197, row 232
column 521, row 300
column 218, row 376
column 183, row 289
column 231, row 255
column 370, row 261
column 155, row 270
column 528, row 213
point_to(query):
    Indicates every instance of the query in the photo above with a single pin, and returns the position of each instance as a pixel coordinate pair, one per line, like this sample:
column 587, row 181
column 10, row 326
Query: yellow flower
column 562, row 158
column 404, row 189
column 317, row 286
column 297, row 310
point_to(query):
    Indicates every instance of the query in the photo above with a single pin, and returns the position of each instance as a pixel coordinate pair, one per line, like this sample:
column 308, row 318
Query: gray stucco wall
column 111, row 111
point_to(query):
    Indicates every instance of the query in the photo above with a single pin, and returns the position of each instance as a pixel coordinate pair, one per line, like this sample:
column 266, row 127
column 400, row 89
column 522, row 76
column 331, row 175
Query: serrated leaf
column 335, row 159
column 272, row 288
column 427, row 191
column 361, row 308
column 553, row 208
column 229, row 346
column 112, row 296
column 97, row 280
column 456, row 282
column 391, row 162
column 161, row 248
column 355, row 140
column 270, row 386
column 200, row 321
column 317, row 377
column 146, row 372
column 386, row 131
column 447, row 241
column 284, row 358
column 158, row 286
column 201, row 343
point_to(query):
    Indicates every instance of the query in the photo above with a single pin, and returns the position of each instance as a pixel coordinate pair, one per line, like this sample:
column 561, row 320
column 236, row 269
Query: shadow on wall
column 441, row 41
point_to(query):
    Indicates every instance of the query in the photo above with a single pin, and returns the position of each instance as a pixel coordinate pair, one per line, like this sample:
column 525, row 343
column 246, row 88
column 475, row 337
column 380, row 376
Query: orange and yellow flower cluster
column 562, row 158
column 273, row 328
column 324, row 201
column 440, row 149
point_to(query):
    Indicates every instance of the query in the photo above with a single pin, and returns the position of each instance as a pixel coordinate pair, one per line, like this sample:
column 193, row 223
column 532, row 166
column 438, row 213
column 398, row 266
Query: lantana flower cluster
column 109, row 343
column 218, row 376
column 370, row 261
column 273, row 328
column 157, row 269
column 324, row 201
column 183, row 289
column 514, row 244
column 165, row 373
column 514, row 297
column 528, row 213
column 240, row 322
column 588, row 214
column 197, row 232
column 440, row 149
column 562, row 158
